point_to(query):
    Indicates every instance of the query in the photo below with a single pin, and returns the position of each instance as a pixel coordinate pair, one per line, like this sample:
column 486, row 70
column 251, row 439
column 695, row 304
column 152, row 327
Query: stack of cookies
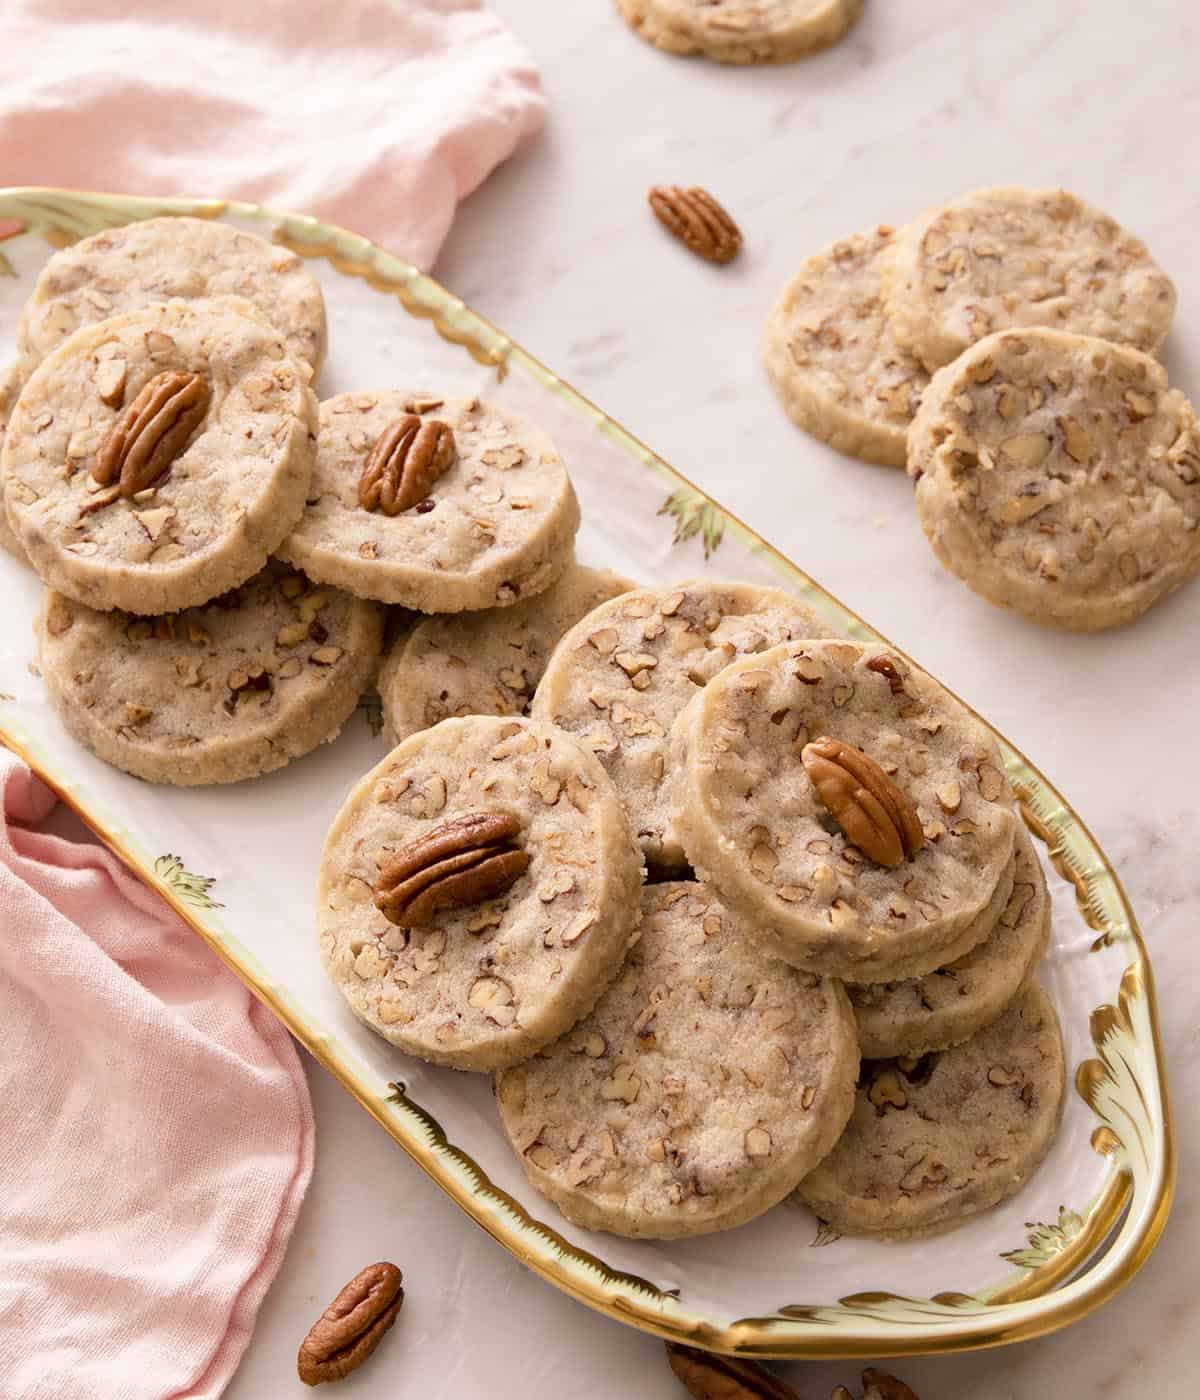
column 1003, row 347
column 735, row 911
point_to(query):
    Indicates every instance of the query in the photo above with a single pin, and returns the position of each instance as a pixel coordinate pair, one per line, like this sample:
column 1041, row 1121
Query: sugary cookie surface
column 754, row 823
column 934, row 1141
column 124, row 269
column 485, row 663
column 1009, row 257
column 212, row 503
column 1059, row 475
column 233, row 688
column 485, row 983
column 493, row 526
column 835, row 364
column 707, row 1078
column 949, row 1005
column 618, row 679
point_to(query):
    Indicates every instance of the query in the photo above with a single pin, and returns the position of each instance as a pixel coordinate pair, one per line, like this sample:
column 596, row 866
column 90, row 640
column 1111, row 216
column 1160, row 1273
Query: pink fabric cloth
column 156, row 1135
column 376, row 114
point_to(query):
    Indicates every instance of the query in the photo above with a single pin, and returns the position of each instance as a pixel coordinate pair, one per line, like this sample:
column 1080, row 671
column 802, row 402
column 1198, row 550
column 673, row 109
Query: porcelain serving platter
column 238, row 863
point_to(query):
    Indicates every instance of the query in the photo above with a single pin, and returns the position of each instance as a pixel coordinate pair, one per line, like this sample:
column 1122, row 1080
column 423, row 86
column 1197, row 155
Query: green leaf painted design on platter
column 192, row 889
column 694, row 515
column 1045, row 1241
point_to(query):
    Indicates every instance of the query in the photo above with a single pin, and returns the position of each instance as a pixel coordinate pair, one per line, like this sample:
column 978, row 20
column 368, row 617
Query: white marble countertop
column 927, row 99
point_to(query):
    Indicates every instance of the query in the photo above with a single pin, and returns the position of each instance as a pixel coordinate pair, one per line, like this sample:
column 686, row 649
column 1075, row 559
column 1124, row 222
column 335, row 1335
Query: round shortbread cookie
column 229, row 690
column 230, row 489
column 741, row 31
column 10, row 390
column 621, row 675
column 485, row 663
column 948, row 1006
column 937, row 1140
column 1059, row 476
column 1009, row 257
column 486, row 984
column 496, row 527
column 707, row 1079
column 831, row 356
column 125, row 269
column 753, row 824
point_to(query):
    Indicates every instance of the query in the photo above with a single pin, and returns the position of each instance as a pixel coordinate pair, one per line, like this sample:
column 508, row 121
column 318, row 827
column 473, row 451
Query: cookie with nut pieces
column 620, row 676
column 851, row 810
column 709, row 1079
column 237, row 687
column 155, row 460
column 1010, row 257
column 125, row 269
column 949, row 1005
column 933, row 1141
column 741, row 31
column 437, row 504
column 1059, row 476
column 831, row 356
column 10, row 390
column 478, row 891
column 485, row 663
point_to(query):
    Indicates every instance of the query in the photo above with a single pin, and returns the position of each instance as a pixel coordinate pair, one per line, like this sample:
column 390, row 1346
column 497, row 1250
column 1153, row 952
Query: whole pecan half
column 461, row 862
column 709, row 1377
column 352, row 1326
column 697, row 220
column 152, row 431
column 408, row 457
column 872, row 811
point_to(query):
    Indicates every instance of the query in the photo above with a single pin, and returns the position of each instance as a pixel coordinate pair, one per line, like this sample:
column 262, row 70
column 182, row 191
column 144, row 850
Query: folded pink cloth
column 156, row 1135
column 376, row 114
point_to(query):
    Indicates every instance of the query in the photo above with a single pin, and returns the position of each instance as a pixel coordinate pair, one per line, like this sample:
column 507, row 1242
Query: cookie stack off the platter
column 735, row 910
column 1003, row 347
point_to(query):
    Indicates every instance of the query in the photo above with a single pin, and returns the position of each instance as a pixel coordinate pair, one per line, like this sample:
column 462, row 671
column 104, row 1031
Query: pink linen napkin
column 379, row 115
column 156, row 1135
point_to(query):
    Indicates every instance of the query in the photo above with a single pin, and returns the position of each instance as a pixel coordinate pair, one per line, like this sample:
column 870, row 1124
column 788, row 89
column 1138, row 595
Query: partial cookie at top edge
column 707, row 1077
column 482, row 984
column 753, row 823
column 485, row 663
column 620, row 676
column 1010, row 257
column 933, row 1143
column 1059, row 475
column 831, row 357
column 492, row 524
column 734, row 32
column 124, row 269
